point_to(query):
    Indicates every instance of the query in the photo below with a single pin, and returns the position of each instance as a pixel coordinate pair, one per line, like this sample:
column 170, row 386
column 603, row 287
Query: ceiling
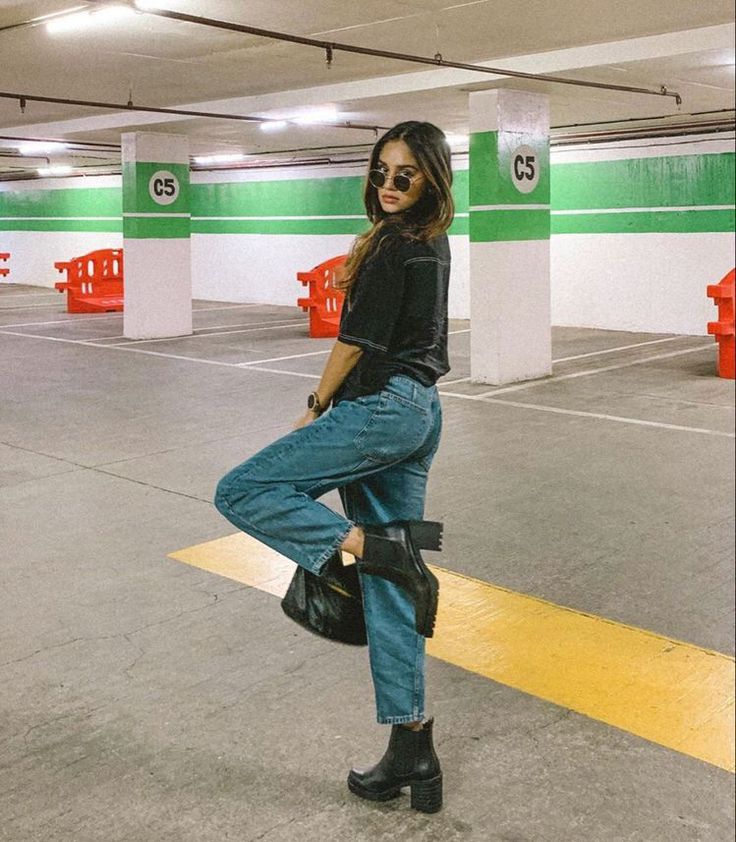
column 158, row 62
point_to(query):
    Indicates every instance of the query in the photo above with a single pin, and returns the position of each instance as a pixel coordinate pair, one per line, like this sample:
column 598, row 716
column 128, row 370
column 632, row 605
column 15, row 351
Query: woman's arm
column 341, row 362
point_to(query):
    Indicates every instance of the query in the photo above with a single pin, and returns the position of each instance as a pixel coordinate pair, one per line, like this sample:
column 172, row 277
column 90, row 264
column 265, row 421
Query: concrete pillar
column 510, row 336
column 156, row 223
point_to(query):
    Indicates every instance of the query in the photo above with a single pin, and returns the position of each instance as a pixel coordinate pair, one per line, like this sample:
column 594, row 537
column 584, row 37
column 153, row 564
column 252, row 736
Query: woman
column 375, row 445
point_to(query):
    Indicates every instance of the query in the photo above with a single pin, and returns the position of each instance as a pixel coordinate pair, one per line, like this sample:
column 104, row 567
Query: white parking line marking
column 291, row 373
column 544, row 381
column 271, row 326
column 614, row 350
column 290, row 357
column 582, row 356
column 599, row 415
column 485, row 398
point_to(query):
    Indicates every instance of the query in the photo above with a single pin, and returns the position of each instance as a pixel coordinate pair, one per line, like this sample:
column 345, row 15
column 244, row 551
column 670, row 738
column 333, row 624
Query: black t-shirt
column 396, row 312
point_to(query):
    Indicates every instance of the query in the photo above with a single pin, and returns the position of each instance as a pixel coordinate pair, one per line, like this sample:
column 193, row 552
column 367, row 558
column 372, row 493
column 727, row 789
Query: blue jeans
column 377, row 451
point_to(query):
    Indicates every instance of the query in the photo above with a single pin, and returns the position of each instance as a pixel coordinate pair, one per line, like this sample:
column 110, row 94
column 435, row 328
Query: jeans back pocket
column 396, row 428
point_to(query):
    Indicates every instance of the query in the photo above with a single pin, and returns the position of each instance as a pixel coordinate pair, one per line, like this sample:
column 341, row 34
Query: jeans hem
column 400, row 720
column 322, row 560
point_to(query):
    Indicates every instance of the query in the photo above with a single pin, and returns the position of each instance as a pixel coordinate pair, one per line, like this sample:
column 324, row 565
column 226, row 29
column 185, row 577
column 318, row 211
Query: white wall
column 638, row 282
column 33, row 253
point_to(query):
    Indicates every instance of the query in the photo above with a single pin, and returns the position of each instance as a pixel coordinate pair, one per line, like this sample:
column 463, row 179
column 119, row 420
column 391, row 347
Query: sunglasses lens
column 377, row 178
column 402, row 183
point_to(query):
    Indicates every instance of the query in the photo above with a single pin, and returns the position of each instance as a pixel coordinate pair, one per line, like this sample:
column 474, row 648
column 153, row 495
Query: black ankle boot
column 391, row 550
column 410, row 760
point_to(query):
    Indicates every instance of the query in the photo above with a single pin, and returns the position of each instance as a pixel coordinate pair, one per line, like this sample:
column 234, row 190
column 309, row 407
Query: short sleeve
column 372, row 308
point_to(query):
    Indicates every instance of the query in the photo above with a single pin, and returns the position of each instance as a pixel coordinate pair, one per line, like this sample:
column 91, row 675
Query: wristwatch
column 313, row 404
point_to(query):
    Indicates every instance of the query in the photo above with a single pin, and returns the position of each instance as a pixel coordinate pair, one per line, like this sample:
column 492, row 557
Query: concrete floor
column 143, row 700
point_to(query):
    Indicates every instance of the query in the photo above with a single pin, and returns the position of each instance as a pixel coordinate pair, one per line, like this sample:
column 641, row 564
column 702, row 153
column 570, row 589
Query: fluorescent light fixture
column 223, row 158
column 57, row 170
column 68, row 23
column 274, row 125
column 40, row 147
column 108, row 14
column 83, row 20
column 327, row 114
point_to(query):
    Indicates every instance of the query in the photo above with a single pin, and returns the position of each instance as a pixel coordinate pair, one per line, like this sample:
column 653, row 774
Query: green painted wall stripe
column 668, row 181
column 41, row 224
column 604, row 223
column 305, row 197
column 507, row 225
column 85, row 201
column 297, row 226
column 674, row 182
column 168, row 228
column 676, row 222
column 278, row 226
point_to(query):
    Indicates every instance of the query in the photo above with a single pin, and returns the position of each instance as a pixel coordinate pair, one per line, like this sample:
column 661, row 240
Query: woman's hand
column 306, row 419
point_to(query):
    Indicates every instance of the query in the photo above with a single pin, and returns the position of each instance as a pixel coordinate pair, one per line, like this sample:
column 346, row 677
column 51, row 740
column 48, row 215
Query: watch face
column 311, row 401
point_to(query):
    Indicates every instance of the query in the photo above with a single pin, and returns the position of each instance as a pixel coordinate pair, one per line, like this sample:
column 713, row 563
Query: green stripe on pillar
column 508, row 225
column 138, row 198
column 483, row 177
column 491, row 162
column 136, row 194
column 157, row 227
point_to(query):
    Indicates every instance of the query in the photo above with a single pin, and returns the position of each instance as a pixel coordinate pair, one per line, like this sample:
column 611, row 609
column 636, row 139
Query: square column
column 510, row 337
column 156, row 226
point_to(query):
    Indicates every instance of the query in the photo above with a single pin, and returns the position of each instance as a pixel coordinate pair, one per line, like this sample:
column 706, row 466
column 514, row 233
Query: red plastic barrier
column 94, row 282
column 324, row 302
column 4, row 271
column 722, row 294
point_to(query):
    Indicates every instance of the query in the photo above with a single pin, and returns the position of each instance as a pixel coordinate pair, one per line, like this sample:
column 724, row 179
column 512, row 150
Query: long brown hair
column 429, row 217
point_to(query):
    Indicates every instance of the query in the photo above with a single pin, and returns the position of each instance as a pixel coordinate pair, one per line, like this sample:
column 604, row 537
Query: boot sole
column 426, row 535
column 426, row 796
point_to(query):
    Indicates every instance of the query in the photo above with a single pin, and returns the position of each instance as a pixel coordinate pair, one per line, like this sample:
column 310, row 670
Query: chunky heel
column 426, row 796
column 426, row 534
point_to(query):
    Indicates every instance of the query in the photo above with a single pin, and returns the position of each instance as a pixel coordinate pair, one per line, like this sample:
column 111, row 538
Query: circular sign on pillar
column 163, row 187
column 525, row 167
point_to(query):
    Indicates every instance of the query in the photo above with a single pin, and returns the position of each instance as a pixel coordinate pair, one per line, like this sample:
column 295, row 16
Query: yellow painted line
column 669, row 692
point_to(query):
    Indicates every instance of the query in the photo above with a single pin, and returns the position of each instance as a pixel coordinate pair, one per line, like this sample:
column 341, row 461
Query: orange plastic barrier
column 4, row 270
column 94, row 282
column 722, row 294
column 324, row 302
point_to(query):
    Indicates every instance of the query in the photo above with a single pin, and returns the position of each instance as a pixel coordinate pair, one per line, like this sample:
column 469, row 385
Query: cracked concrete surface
column 142, row 700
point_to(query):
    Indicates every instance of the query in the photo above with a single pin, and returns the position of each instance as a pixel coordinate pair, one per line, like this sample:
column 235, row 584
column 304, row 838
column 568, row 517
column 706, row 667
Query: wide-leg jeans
column 377, row 451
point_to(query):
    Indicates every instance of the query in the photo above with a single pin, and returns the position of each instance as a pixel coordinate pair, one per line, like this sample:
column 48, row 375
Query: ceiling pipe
column 24, row 99
column 722, row 124
column 75, row 145
column 437, row 61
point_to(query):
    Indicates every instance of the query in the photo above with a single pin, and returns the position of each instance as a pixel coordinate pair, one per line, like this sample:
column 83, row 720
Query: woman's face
column 396, row 159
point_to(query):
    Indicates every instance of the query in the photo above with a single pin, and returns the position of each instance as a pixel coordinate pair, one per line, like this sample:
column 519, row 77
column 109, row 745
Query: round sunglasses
column 401, row 182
